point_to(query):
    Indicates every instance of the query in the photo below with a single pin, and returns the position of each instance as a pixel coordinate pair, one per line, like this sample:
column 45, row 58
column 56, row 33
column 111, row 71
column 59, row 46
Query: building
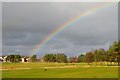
column 5, row 59
column 1, row 59
column 24, row 59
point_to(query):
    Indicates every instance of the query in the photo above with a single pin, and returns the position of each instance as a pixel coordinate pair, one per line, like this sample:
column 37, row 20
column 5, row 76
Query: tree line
column 101, row 55
column 18, row 58
column 97, row 55
column 62, row 58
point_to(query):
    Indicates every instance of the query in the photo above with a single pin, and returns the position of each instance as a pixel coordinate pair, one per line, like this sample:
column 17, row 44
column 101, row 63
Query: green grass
column 37, row 71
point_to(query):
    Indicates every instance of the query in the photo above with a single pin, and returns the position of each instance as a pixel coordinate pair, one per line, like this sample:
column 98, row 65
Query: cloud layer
column 26, row 24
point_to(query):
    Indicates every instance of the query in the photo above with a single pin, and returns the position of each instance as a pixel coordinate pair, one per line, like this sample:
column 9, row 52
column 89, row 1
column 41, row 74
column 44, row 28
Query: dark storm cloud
column 26, row 24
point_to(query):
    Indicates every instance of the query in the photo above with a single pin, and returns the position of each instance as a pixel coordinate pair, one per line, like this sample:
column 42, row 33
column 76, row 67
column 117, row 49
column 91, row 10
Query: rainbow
column 62, row 27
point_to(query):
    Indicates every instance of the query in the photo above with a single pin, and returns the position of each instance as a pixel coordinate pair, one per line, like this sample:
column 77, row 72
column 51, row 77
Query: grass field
column 57, row 70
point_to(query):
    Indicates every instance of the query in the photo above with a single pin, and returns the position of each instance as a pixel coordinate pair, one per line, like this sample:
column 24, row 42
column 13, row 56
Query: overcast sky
column 26, row 24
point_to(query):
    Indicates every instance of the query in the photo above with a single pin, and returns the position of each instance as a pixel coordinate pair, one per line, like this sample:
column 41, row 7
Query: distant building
column 5, row 59
column 1, row 59
column 24, row 59
column 41, row 60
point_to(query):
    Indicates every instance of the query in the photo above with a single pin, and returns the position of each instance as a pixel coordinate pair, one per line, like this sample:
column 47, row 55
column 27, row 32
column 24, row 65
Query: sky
column 0, row 28
column 25, row 24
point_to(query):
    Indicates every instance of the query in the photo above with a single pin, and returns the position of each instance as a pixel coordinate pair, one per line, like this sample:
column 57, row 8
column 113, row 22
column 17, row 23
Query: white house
column 25, row 59
column 1, row 59
column 4, row 59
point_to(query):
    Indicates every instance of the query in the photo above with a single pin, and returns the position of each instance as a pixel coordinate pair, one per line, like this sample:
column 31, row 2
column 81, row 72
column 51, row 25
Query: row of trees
column 33, row 58
column 18, row 58
column 13, row 58
column 97, row 55
column 101, row 55
column 62, row 58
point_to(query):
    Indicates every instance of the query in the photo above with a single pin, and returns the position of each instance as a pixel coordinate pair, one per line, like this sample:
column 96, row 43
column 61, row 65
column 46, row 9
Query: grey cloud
column 26, row 24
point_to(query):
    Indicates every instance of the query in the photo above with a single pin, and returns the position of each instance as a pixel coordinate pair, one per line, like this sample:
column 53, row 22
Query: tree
column 46, row 57
column 55, row 58
column 61, row 58
column 118, row 53
column 99, row 55
column 89, row 57
column 81, row 58
column 33, row 58
column 10, row 58
column 50, row 58
column 14, row 58
column 113, row 52
column 17, row 58
column 73, row 59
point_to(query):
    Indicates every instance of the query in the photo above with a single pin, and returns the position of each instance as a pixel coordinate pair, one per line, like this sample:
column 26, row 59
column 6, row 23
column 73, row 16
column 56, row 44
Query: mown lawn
column 37, row 71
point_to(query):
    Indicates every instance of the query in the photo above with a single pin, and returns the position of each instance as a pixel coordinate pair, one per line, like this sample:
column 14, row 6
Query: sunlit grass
column 36, row 70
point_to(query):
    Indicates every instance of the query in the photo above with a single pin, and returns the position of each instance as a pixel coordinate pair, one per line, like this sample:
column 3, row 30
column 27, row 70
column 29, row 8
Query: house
column 24, row 59
column 1, row 59
column 5, row 59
